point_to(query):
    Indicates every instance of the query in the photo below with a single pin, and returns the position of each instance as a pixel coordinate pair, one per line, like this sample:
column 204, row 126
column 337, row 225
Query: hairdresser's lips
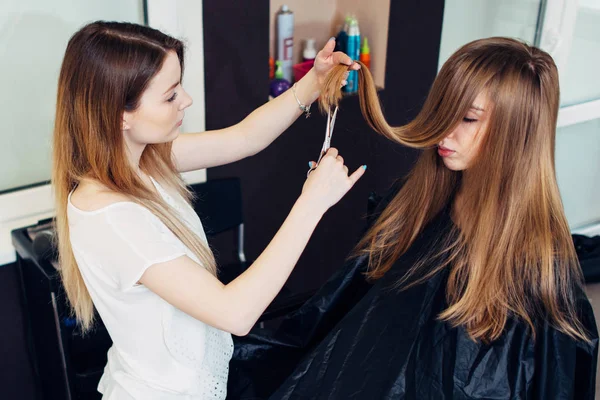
column 444, row 152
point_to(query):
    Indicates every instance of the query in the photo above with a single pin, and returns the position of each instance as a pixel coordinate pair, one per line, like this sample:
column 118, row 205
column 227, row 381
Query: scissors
column 327, row 141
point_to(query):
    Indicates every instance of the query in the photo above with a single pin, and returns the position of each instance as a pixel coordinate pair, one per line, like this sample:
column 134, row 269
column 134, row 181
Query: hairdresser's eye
column 469, row 120
column 170, row 99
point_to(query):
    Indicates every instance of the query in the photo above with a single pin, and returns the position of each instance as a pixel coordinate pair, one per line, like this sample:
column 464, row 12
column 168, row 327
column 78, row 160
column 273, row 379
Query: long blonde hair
column 513, row 254
column 106, row 68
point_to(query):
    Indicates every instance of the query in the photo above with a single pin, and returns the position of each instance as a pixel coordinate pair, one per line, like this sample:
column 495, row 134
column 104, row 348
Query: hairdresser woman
column 131, row 245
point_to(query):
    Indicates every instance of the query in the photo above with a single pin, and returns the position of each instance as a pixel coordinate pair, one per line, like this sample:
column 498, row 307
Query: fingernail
column 309, row 164
column 344, row 82
column 332, row 38
column 364, row 167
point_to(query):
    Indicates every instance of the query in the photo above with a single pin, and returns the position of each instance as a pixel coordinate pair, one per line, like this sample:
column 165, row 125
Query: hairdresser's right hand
column 329, row 182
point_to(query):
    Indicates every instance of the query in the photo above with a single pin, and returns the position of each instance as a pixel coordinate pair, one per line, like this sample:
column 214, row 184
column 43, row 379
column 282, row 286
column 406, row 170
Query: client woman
column 467, row 285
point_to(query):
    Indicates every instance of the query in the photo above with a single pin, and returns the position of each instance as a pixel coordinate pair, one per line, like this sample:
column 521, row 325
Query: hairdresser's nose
column 186, row 100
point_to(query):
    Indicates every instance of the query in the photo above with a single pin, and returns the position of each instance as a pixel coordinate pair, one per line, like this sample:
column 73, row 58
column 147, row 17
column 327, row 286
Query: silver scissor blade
column 329, row 131
column 332, row 124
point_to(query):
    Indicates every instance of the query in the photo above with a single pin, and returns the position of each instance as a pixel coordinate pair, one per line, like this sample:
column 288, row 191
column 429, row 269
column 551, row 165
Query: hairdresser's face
column 161, row 109
column 460, row 147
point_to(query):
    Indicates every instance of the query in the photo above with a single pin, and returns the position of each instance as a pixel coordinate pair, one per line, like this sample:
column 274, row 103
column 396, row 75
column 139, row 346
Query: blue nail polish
column 364, row 167
column 332, row 38
column 309, row 164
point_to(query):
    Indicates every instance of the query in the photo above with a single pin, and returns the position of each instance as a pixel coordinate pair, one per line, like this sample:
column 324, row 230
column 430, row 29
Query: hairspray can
column 354, row 53
column 341, row 40
column 285, row 40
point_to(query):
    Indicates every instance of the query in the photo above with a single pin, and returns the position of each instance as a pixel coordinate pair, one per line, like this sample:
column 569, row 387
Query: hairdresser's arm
column 237, row 306
column 194, row 151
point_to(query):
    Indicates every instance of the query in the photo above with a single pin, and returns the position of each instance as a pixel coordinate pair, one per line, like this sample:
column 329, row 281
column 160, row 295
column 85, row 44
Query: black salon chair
column 66, row 364
column 218, row 203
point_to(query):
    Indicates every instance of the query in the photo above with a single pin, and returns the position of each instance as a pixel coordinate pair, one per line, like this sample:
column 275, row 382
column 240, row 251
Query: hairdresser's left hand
column 327, row 59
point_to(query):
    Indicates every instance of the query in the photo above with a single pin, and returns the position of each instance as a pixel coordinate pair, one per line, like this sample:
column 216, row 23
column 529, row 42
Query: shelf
column 322, row 19
column 344, row 95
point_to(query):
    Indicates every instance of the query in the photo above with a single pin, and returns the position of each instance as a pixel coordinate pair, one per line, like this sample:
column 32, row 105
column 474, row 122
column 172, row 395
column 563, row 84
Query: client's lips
column 445, row 152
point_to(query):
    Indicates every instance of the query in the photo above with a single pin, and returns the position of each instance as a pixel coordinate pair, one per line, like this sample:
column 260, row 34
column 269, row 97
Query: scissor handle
column 328, row 133
column 311, row 169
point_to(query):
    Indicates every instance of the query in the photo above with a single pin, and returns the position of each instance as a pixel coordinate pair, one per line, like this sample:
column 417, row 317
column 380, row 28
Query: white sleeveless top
column 158, row 351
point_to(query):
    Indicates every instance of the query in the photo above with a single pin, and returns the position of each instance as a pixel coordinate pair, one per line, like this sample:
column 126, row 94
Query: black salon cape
column 354, row 340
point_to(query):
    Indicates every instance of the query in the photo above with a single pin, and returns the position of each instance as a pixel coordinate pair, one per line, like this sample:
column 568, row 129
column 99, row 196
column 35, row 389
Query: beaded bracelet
column 303, row 107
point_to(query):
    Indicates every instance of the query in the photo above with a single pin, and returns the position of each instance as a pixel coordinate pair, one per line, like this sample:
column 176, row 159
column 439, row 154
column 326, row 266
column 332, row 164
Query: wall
column 33, row 37
column 467, row 20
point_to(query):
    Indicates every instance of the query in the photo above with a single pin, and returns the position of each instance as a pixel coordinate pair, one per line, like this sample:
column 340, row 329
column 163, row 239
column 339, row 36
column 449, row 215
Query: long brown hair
column 513, row 255
column 106, row 68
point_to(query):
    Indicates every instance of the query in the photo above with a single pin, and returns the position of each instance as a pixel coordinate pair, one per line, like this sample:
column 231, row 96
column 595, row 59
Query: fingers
column 332, row 152
column 329, row 47
column 342, row 58
column 358, row 174
column 345, row 81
